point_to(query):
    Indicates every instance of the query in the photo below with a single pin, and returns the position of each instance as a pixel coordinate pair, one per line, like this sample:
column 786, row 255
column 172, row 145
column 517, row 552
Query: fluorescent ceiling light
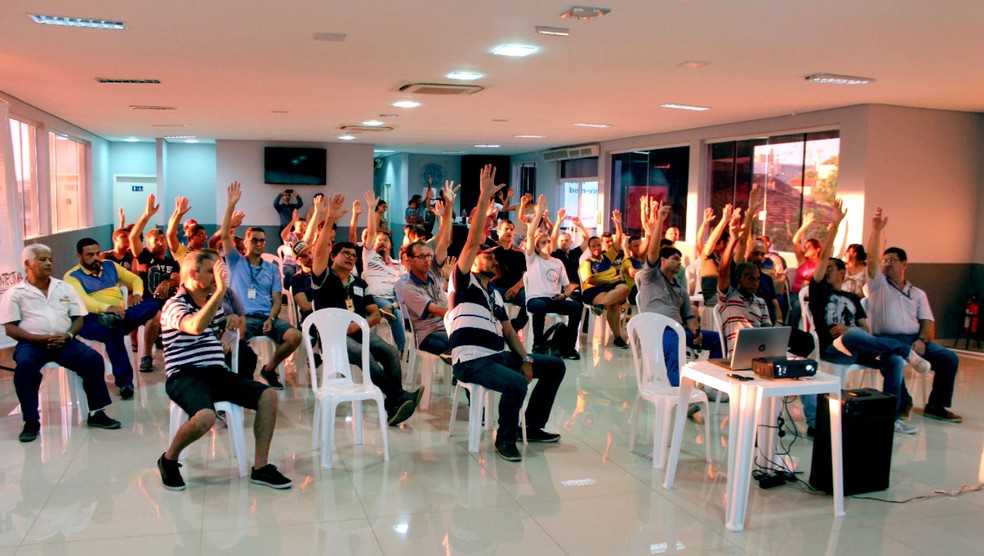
column 552, row 31
column 347, row 137
column 372, row 123
column 383, row 151
column 406, row 104
column 514, row 50
column 132, row 140
column 452, row 152
column 150, row 107
column 592, row 125
column 685, row 107
column 465, row 75
column 77, row 22
column 191, row 140
column 834, row 79
column 177, row 137
column 529, row 136
column 486, row 146
column 113, row 80
column 585, row 12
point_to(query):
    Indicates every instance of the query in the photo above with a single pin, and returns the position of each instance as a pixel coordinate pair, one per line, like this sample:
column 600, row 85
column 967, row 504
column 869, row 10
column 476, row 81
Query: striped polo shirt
column 474, row 318
column 183, row 350
column 737, row 311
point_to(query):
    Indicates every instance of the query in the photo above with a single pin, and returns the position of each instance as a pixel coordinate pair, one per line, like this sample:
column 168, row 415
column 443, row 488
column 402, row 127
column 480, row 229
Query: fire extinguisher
column 971, row 315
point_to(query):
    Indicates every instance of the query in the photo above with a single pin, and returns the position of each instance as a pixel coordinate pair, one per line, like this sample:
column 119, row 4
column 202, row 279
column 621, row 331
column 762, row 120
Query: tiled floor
column 80, row 491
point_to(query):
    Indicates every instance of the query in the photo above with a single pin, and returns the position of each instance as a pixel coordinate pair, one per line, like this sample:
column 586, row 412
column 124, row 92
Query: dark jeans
column 74, row 356
column 520, row 321
column 436, row 342
column 540, row 306
column 112, row 338
column 384, row 367
column 710, row 341
column 944, row 363
column 501, row 372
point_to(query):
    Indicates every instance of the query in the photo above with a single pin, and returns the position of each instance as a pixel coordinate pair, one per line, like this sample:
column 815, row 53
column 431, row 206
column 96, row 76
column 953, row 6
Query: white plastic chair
column 233, row 412
column 72, row 382
column 482, row 401
column 336, row 385
column 127, row 342
column 807, row 324
column 551, row 319
column 646, row 343
column 428, row 363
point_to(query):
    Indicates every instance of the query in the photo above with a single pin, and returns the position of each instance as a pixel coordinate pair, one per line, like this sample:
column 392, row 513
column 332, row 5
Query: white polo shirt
column 40, row 314
column 896, row 311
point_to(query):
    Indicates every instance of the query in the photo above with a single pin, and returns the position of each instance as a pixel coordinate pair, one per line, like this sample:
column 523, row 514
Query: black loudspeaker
column 868, row 427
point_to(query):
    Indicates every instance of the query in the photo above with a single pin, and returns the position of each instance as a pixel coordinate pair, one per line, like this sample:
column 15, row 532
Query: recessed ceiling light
column 77, row 22
column 514, row 50
column 465, row 75
column 112, row 80
column 486, row 146
column 692, row 64
column 132, row 140
column 347, row 137
column 330, row 37
column 552, row 31
column 592, row 125
column 685, row 107
column 585, row 13
column 406, row 104
column 373, row 123
column 529, row 136
column 383, row 151
column 835, row 79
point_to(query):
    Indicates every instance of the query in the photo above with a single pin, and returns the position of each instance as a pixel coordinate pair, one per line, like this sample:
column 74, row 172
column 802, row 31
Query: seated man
column 511, row 264
column 120, row 253
column 258, row 284
column 197, row 238
column 98, row 284
column 565, row 253
column 901, row 311
column 300, row 283
column 841, row 325
column 479, row 328
column 603, row 288
column 549, row 291
column 197, row 376
column 381, row 273
column 660, row 292
column 43, row 314
column 633, row 255
column 335, row 286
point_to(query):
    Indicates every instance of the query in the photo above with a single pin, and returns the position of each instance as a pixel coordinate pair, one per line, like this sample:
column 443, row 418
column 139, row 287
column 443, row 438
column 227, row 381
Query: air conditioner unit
column 568, row 153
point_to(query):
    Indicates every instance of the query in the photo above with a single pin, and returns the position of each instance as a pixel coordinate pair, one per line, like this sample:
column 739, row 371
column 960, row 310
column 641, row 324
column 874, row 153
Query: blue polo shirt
column 263, row 279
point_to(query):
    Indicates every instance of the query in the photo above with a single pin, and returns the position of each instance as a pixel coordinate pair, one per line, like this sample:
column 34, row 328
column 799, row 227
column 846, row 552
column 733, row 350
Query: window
column 68, row 181
column 579, row 183
column 662, row 173
column 797, row 174
column 26, row 174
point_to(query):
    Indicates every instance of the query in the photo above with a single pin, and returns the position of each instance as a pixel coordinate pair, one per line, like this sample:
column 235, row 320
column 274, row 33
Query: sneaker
column 620, row 343
column 272, row 379
column 269, row 476
column 146, row 364
column 905, row 410
column 902, row 427
column 692, row 410
column 402, row 413
column 126, row 392
column 417, row 395
column 109, row 320
column 508, row 452
column 810, row 432
column 170, row 475
column 446, row 357
column 100, row 420
column 598, row 309
column 572, row 355
column 540, row 435
column 941, row 414
column 387, row 314
column 31, row 431
column 918, row 363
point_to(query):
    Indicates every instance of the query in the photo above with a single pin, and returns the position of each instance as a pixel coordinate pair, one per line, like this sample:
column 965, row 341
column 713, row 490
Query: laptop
column 755, row 342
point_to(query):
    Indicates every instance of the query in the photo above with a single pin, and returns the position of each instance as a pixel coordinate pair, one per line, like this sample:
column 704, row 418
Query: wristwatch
column 528, row 359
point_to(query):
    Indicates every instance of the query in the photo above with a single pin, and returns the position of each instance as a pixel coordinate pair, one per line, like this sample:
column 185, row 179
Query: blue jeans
column 399, row 333
column 384, row 367
column 436, row 342
column 944, row 363
column 501, row 372
column 709, row 341
column 520, row 321
column 885, row 354
column 74, row 356
column 540, row 306
column 112, row 338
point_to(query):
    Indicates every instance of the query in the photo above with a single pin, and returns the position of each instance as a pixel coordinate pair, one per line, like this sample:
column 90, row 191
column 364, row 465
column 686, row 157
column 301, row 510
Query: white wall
column 349, row 172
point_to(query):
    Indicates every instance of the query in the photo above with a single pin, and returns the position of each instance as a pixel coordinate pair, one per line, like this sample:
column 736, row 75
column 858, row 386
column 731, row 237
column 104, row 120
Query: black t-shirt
column 512, row 266
column 330, row 292
column 159, row 270
column 126, row 261
column 571, row 262
column 301, row 282
column 830, row 307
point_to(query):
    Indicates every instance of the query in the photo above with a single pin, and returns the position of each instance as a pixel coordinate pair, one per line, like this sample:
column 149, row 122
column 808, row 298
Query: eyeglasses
column 424, row 257
column 891, row 260
column 347, row 254
column 257, row 240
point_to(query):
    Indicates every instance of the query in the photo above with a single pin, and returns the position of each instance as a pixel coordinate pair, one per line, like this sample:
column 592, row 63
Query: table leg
column 836, row 456
column 768, row 435
column 686, row 386
column 751, row 405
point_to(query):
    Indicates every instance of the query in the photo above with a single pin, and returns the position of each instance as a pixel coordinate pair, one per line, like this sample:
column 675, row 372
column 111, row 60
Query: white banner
column 11, row 230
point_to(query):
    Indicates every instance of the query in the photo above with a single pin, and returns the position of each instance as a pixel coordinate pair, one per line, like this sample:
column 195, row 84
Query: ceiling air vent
column 150, row 107
column 359, row 128
column 569, row 153
column 440, row 89
column 129, row 81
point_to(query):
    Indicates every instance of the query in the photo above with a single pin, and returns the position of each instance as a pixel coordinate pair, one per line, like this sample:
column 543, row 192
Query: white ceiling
column 226, row 65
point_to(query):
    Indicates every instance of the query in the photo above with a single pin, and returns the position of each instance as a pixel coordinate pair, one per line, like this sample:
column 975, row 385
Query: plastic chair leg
column 633, row 421
column 357, row 421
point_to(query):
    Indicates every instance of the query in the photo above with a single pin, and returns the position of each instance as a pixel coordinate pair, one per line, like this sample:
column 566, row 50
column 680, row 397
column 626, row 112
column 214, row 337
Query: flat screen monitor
column 295, row 165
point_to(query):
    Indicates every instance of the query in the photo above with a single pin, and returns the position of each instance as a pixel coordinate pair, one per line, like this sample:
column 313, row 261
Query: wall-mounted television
column 295, row 165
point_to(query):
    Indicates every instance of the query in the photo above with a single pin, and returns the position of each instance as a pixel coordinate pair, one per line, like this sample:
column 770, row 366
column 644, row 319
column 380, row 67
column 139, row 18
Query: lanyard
column 908, row 295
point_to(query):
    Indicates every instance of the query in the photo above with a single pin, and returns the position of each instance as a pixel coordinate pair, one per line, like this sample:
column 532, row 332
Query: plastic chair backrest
column 332, row 327
column 230, row 341
column 806, row 316
column 646, row 342
column 275, row 260
column 714, row 316
column 284, row 252
column 126, row 296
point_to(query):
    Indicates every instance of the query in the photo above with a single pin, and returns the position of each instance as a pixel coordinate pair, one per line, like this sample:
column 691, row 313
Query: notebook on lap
column 755, row 342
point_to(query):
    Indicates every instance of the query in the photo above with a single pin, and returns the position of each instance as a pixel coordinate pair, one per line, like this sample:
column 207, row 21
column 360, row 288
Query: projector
column 784, row 367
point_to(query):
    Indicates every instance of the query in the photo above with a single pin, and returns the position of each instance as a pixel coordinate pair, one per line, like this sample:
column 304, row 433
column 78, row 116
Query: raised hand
column 237, row 219
column 664, row 211
column 735, row 224
column 617, row 217
column 486, row 181
column 152, row 208
column 561, row 215
column 356, row 207
column 181, row 206
column 839, row 211
column 219, row 271
column 438, row 208
column 449, row 191
column 491, row 210
column 809, row 219
column 234, row 193
column 878, row 221
column 335, row 206
column 541, row 205
column 371, row 199
column 709, row 215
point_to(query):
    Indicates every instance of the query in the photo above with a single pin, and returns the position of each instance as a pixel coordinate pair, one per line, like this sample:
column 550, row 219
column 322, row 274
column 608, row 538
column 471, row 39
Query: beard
column 94, row 266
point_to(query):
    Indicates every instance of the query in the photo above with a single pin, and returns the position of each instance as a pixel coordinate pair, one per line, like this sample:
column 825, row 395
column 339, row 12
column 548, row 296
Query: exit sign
column 137, row 188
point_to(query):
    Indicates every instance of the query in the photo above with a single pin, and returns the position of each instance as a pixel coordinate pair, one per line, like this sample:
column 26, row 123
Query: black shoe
column 416, row 396
column 272, row 379
column 146, row 364
column 941, row 414
column 905, row 411
column 170, row 475
column 100, row 420
column 810, row 432
column 126, row 392
column 620, row 343
column 269, row 476
column 32, row 429
column 598, row 309
column 446, row 357
column 540, row 350
column 109, row 320
column 508, row 452
column 402, row 413
column 572, row 355
column 540, row 435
